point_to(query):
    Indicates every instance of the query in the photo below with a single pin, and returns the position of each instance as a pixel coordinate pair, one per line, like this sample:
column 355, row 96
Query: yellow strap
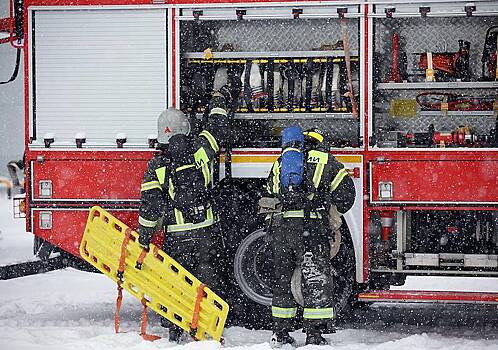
column 337, row 179
column 146, row 223
column 316, row 313
column 161, row 174
column 150, row 185
column 283, row 312
column 211, row 139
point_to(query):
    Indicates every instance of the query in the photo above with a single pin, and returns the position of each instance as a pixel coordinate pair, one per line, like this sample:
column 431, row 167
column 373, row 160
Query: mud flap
column 167, row 288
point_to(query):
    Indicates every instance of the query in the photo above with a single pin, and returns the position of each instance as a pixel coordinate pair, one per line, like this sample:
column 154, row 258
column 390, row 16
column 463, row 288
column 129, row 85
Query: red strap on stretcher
column 119, row 300
column 197, row 309
column 143, row 326
column 121, row 267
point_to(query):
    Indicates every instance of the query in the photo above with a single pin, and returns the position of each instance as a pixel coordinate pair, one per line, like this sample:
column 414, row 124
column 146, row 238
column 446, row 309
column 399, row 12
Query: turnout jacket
column 157, row 202
column 326, row 182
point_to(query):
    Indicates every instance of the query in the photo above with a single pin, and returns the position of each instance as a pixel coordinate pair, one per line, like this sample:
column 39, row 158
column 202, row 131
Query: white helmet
column 171, row 122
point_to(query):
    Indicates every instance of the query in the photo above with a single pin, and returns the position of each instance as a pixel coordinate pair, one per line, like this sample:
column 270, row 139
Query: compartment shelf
column 439, row 85
column 458, row 113
column 270, row 54
column 292, row 116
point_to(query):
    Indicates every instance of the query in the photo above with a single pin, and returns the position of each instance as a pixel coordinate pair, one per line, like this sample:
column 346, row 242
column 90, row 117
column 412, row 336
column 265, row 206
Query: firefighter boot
column 314, row 336
column 280, row 338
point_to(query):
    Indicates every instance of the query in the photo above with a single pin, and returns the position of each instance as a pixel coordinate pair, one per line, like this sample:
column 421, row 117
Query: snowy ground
column 73, row 309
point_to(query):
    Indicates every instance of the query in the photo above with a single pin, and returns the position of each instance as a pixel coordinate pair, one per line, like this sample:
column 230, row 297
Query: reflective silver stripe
column 337, row 179
column 150, row 185
column 283, row 312
column 291, row 149
column 315, row 314
column 218, row 110
column 190, row 226
column 299, row 214
column 211, row 140
column 146, row 223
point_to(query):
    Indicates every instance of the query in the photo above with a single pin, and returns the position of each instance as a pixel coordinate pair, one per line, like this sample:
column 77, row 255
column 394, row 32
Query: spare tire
column 253, row 269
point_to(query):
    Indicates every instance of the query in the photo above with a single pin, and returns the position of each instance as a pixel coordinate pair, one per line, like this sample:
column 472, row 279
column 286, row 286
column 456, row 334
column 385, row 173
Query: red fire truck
column 406, row 90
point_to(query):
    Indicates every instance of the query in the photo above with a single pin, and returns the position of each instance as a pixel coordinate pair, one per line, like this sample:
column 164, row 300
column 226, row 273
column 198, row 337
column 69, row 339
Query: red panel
column 428, row 296
column 90, row 179
column 68, row 227
column 438, row 181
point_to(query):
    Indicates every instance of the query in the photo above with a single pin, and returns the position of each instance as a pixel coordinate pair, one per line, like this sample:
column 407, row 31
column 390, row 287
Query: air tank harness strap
column 120, row 275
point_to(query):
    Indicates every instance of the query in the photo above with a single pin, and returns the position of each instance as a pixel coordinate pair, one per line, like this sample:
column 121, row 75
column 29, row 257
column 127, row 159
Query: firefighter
column 311, row 188
column 176, row 194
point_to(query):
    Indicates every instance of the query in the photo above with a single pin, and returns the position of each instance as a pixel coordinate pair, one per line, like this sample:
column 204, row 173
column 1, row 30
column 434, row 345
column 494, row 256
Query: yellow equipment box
column 161, row 283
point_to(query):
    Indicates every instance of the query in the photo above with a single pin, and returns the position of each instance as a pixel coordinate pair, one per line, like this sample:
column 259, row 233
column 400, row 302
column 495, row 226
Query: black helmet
column 316, row 139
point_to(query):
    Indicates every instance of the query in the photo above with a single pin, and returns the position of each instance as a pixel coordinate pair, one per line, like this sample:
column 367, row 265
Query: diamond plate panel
column 421, row 35
column 430, row 34
column 280, row 34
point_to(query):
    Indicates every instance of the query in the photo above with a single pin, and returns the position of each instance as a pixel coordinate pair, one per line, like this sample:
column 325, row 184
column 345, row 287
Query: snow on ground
column 71, row 309
column 15, row 244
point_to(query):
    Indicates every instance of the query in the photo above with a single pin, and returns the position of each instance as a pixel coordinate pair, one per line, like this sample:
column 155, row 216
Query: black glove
column 145, row 236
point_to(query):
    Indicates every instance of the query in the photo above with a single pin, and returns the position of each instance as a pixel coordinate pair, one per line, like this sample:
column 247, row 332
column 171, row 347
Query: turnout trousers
column 306, row 246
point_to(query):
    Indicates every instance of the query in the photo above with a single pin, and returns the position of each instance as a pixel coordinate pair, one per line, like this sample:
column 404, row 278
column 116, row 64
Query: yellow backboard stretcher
column 163, row 284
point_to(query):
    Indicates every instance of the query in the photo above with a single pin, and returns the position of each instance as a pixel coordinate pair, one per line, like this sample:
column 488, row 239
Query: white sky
column 11, row 103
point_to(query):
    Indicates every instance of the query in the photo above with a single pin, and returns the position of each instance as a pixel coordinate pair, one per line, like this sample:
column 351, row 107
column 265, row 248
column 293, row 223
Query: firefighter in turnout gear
column 176, row 194
column 310, row 186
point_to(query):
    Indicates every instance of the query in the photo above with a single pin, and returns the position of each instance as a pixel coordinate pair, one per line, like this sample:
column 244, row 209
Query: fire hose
column 347, row 57
column 434, row 101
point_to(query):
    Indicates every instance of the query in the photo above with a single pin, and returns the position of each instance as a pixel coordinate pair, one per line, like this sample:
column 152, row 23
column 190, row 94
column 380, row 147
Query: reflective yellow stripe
column 183, row 167
column 317, row 176
column 314, row 135
column 171, row 189
column 288, row 149
column 211, row 140
column 161, row 174
column 190, row 226
column 276, row 177
column 320, row 159
column 283, row 312
column 299, row 214
column 315, row 156
column 150, row 185
column 202, row 161
column 218, row 110
column 146, row 223
column 179, row 217
column 209, row 214
column 315, row 314
column 337, row 179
